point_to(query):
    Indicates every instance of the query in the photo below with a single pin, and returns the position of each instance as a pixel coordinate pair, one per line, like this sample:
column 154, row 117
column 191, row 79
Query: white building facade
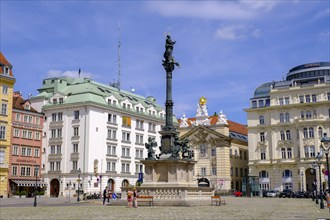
column 94, row 135
column 286, row 122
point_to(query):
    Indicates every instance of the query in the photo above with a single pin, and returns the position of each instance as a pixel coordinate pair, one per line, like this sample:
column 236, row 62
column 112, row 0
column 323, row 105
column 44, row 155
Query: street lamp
column 79, row 172
column 325, row 144
column 318, row 161
column 36, row 169
column 313, row 172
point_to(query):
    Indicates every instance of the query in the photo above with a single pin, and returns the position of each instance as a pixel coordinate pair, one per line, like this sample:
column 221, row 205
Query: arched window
column 287, row 174
column 320, row 132
column 305, row 133
column 283, row 153
column 311, row 132
column 287, row 117
column 263, row 174
column 262, row 137
column 288, row 135
column 261, row 120
column 289, row 151
column 125, row 183
column 281, row 117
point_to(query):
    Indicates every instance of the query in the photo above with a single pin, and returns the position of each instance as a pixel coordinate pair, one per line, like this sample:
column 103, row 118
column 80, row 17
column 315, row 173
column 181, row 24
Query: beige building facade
column 286, row 121
column 220, row 149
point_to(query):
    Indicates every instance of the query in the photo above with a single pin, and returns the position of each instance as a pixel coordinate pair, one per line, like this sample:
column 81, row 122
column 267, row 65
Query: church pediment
column 203, row 134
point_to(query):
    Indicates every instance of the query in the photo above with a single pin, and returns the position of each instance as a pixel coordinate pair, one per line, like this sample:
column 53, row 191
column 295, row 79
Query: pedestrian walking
column 129, row 198
column 135, row 195
column 105, row 194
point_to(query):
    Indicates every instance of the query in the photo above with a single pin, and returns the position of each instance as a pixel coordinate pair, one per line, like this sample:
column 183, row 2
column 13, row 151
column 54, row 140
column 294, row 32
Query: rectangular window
column 125, row 152
column 28, row 171
column 29, row 135
column 139, row 139
column 214, row 170
column 16, row 132
column 314, row 99
column 126, row 136
column 60, row 116
column 139, row 124
column 37, row 136
column 2, row 156
column 202, row 150
column 59, row 132
column 112, row 118
column 52, row 166
column 262, row 137
column 53, row 133
column 30, row 119
column 18, row 117
column 58, row 165
column 111, row 150
column 301, row 99
column 37, row 120
column 125, row 167
column 4, row 89
column 281, row 101
column 76, row 115
column 111, row 166
column 126, row 121
column 2, row 133
column 287, row 100
column 4, row 108
column 28, row 151
column 23, row 171
column 26, row 118
column 15, row 150
column 112, row 134
column 36, row 152
column 139, row 153
column 75, row 148
column 74, row 165
column 52, row 149
column 213, row 152
column 14, row 170
column 58, row 149
column 60, row 100
column 76, row 131
column 54, row 117
column 23, row 149
column 308, row 98
column 254, row 104
column 203, row 171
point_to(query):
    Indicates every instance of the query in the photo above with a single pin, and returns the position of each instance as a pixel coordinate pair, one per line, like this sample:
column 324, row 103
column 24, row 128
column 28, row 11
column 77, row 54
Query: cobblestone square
column 235, row 208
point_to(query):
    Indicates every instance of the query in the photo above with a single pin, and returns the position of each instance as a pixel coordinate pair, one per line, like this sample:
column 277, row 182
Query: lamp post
column 36, row 169
column 318, row 161
column 302, row 180
column 325, row 144
column 79, row 172
column 313, row 172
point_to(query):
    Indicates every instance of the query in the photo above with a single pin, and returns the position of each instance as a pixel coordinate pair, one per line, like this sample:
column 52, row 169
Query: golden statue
column 202, row 100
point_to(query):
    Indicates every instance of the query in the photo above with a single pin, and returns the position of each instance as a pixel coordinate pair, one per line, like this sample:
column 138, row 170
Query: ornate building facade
column 94, row 135
column 220, row 149
column 25, row 149
column 286, row 121
column 7, row 81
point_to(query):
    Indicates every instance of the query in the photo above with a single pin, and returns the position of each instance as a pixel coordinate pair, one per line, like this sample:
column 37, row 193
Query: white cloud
column 219, row 10
column 69, row 73
column 237, row 32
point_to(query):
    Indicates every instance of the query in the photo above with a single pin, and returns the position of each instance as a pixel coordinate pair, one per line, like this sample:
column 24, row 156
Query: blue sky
column 225, row 48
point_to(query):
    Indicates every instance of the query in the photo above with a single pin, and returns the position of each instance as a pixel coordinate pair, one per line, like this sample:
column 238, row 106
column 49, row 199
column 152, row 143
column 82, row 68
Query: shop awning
column 29, row 183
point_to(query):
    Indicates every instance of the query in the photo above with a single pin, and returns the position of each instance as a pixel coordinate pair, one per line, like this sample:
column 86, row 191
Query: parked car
column 238, row 193
column 286, row 193
column 271, row 193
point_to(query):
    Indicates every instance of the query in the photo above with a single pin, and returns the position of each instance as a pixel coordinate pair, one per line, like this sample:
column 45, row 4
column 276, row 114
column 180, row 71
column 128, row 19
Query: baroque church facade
column 220, row 148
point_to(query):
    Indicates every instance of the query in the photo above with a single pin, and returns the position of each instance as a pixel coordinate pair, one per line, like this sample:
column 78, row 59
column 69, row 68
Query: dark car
column 286, row 193
column 238, row 193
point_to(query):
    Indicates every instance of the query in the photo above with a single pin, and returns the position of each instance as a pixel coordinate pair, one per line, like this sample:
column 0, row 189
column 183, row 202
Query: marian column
column 169, row 132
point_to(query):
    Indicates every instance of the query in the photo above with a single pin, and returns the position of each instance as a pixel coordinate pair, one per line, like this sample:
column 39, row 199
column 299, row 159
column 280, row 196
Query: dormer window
column 60, row 100
column 6, row 70
column 54, row 101
column 27, row 107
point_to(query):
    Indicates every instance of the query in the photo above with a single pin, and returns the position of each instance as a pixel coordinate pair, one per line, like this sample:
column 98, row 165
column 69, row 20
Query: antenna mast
column 119, row 44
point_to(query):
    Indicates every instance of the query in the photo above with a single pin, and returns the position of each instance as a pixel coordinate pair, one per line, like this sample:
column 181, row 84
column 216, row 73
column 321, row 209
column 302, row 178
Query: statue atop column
column 169, row 61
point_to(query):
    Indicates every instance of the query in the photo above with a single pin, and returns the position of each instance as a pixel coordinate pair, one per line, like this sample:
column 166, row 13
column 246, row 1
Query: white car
column 271, row 193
